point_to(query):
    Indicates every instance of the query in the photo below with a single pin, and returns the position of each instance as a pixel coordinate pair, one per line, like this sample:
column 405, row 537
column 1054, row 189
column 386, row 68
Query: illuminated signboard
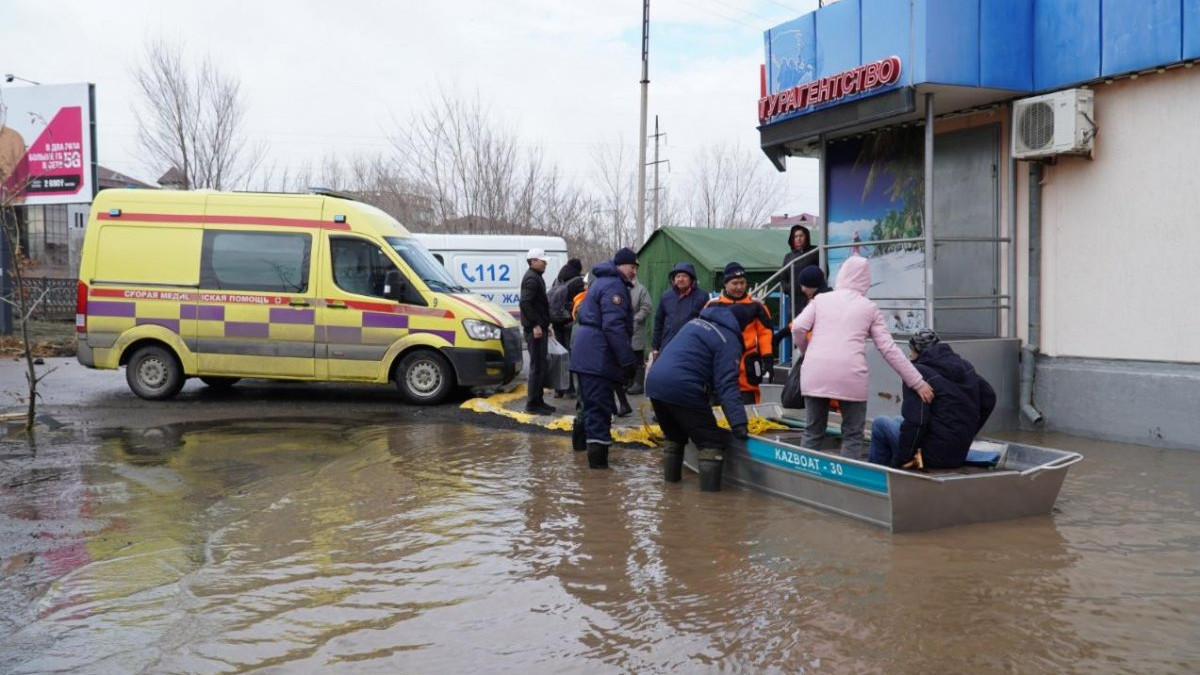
column 804, row 97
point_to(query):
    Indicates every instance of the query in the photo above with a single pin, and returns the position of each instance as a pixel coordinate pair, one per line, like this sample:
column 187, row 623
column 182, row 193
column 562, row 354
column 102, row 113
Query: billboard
column 875, row 193
column 47, row 144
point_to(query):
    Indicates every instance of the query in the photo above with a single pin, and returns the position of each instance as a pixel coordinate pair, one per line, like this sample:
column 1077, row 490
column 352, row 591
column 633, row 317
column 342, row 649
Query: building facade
column 937, row 126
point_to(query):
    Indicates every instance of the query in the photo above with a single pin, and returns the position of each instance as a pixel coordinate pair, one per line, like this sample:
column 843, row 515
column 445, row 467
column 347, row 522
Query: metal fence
column 55, row 297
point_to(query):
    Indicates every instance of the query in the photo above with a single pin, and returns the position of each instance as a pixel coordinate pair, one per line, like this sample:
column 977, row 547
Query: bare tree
column 191, row 120
column 476, row 176
column 616, row 180
column 731, row 189
column 23, row 297
column 472, row 171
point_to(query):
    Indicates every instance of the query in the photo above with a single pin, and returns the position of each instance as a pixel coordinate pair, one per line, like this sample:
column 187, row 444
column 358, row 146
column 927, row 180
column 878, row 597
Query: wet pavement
column 300, row 528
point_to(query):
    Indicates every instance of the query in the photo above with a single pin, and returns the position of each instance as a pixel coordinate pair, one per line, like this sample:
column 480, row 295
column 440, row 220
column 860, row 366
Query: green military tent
column 709, row 250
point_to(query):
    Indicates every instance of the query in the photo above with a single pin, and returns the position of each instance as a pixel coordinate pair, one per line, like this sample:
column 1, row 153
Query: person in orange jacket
column 756, row 337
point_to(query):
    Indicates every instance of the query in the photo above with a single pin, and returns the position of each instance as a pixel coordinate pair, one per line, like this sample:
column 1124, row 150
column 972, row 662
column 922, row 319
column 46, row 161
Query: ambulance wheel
column 424, row 377
column 154, row 373
column 217, row 382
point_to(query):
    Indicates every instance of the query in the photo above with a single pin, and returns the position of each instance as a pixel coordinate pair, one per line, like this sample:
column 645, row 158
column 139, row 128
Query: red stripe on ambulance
column 224, row 220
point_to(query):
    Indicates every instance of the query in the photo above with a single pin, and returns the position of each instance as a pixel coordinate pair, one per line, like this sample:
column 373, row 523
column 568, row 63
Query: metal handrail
column 1057, row 463
column 766, row 287
column 1001, row 301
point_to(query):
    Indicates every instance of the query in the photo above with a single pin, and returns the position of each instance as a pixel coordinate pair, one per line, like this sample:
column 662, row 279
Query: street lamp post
column 9, row 77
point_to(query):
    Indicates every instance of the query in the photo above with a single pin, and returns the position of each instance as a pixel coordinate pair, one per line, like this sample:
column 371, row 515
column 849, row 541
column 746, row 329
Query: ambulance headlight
column 481, row 330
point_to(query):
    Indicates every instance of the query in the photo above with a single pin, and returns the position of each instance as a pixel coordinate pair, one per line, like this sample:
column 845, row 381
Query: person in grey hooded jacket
column 642, row 307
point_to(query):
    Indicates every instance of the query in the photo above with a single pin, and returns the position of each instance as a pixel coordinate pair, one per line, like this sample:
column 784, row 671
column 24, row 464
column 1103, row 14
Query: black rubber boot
column 623, row 408
column 635, row 388
column 578, row 436
column 710, row 469
column 597, row 456
column 673, row 462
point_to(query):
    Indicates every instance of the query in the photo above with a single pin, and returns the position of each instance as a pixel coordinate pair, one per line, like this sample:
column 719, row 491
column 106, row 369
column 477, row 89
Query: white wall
column 1121, row 232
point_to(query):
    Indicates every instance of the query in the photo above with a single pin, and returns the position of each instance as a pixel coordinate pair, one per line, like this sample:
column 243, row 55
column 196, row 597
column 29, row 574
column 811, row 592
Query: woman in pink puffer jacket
column 835, row 360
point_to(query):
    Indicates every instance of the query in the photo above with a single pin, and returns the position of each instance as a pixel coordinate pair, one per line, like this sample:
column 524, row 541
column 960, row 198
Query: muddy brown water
column 429, row 548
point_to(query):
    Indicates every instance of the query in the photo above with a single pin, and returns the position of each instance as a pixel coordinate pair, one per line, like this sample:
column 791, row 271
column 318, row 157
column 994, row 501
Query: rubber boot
column 597, row 456
column 673, row 462
column 578, row 436
column 635, row 387
column 623, row 407
column 710, row 469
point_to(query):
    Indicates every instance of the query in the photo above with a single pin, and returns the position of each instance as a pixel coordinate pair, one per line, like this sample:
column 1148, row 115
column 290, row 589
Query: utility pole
column 616, row 229
column 656, row 162
column 641, row 195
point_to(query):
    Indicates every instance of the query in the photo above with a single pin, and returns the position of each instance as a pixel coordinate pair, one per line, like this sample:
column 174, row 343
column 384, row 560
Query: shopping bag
column 792, row 397
column 558, row 366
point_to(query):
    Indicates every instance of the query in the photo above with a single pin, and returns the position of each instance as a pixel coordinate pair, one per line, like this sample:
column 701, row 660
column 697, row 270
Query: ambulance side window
column 359, row 266
column 255, row 261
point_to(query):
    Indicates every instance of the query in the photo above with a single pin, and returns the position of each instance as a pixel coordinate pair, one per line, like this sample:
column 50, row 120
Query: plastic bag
column 792, row 397
column 558, row 366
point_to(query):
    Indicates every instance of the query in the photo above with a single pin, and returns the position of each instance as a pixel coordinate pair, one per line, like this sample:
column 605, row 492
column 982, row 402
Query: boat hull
column 1026, row 482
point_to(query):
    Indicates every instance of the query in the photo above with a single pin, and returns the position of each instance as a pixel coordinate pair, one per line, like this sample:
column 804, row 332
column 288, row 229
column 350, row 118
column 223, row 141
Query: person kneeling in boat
column 701, row 358
column 941, row 431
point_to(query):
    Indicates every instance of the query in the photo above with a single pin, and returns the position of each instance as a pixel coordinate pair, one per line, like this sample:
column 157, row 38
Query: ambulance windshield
column 424, row 265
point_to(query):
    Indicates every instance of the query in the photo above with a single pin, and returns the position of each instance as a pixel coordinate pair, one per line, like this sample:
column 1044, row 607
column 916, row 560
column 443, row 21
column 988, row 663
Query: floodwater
column 334, row 547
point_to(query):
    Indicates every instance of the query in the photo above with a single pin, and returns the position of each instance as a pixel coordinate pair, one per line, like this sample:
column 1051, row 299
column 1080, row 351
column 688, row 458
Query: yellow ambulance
column 224, row 286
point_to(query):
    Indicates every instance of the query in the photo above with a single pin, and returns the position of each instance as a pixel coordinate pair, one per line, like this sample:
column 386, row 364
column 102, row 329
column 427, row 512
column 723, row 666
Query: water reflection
column 342, row 547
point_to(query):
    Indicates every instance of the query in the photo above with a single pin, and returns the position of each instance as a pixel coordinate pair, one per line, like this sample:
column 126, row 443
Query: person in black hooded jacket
column 571, row 275
column 942, row 430
column 800, row 243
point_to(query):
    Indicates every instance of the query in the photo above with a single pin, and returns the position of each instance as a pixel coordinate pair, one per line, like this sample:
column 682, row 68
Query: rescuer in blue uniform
column 603, row 355
column 702, row 358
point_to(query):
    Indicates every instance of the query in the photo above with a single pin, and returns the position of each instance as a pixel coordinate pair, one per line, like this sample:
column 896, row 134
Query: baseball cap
column 537, row 254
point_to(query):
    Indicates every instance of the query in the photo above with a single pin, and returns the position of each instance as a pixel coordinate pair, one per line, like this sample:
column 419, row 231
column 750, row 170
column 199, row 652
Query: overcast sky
column 335, row 78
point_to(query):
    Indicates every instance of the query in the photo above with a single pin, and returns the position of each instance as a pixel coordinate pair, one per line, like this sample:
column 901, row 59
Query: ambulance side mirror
column 395, row 286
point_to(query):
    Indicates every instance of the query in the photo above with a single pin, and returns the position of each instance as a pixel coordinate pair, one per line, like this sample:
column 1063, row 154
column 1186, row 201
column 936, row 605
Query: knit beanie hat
column 734, row 270
column 923, row 339
column 625, row 256
column 812, row 277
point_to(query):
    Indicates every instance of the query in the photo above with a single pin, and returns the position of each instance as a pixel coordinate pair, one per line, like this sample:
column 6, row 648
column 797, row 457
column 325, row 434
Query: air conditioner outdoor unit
column 1053, row 124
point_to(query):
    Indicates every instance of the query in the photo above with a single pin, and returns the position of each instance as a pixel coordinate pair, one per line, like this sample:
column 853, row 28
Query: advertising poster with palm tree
column 876, row 189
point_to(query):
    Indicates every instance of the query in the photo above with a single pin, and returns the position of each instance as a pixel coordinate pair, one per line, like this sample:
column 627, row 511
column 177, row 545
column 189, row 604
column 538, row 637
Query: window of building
column 45, row 237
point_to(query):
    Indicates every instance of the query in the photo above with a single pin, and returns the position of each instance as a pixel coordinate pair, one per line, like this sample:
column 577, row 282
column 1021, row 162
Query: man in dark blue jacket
column 678, row 305
column 942, row 430
column 701, row 359
column 603, row 354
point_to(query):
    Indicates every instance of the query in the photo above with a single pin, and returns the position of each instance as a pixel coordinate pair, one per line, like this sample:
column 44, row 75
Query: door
column 966, row 211
column 357, row 325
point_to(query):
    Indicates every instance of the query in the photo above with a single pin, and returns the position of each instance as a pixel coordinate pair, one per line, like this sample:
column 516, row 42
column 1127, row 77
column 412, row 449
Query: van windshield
column 424, row 265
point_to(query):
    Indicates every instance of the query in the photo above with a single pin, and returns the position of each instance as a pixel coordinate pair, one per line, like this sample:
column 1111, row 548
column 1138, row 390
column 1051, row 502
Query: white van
column 492, row 265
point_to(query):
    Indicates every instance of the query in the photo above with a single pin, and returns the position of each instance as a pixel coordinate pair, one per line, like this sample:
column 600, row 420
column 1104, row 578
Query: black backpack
column 560, row 298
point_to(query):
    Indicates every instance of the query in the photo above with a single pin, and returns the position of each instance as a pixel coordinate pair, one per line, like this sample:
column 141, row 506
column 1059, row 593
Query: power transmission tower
column 657, row 188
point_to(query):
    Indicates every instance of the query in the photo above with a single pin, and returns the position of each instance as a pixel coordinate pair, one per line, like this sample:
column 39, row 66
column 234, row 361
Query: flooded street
column 339, row 546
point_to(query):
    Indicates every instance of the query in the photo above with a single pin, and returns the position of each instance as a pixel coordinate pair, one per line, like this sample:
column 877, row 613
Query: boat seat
column 984, row 458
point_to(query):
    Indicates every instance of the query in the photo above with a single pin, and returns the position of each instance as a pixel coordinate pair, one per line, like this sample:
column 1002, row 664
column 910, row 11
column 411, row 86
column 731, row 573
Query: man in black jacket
column 942, row 430
column 535, row 319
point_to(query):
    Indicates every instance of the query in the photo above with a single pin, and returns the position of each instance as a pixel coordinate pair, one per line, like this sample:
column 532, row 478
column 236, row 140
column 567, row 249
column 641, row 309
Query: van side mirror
column 395, row 286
